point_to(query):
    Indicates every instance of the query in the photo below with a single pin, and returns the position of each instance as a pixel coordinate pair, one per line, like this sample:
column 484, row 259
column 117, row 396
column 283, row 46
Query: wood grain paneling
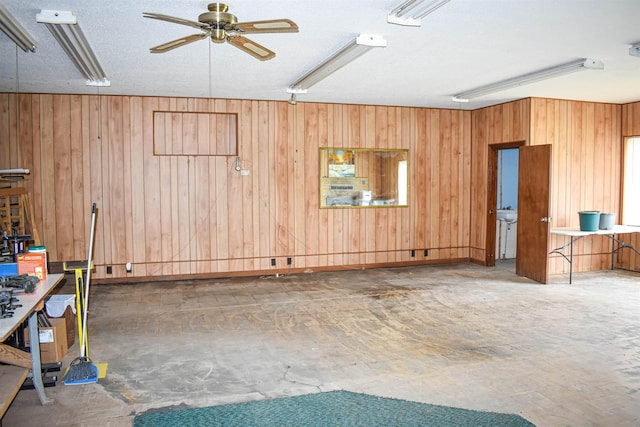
column 586, row 170
column 500, row 124
column 196, row 215
column 586, row 166
column 195, row 134
column 192, row 214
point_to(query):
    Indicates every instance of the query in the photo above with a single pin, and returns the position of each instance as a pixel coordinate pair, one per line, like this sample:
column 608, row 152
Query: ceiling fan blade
column 273, row 26
column 251, row 47
column 175, row 20
column 165, row 47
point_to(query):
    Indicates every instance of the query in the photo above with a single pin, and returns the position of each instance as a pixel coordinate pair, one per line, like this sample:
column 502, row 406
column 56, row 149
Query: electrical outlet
column 273, row 262
column 109, row 269
column 413, row 253
column 289, row 261
column 426, row 252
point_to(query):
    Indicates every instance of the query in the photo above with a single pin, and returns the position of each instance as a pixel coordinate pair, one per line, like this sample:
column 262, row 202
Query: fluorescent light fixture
column 411, row 12
column 15, row 31
column 356, row 48
column 547, row 73
column 634, row 50
column 64, row 27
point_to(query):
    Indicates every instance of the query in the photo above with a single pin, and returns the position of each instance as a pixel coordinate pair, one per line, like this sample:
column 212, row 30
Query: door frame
column 492, row 197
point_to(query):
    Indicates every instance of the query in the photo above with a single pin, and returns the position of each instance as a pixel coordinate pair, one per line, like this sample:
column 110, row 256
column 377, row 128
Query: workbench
column 20, row 362
column 576, row 234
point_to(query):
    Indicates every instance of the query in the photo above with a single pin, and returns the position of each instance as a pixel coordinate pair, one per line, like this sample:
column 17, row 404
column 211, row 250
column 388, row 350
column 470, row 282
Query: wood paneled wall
column 586, row 167
column 585, row 174
column 500, row 124
column 196, row 215
column 630, row 127
column 197, row 134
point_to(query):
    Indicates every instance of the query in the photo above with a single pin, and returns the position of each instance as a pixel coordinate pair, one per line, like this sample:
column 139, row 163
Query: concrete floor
column 457, row 335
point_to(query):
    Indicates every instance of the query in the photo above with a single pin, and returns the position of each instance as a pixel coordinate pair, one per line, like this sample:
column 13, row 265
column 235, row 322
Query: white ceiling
column 463, row 45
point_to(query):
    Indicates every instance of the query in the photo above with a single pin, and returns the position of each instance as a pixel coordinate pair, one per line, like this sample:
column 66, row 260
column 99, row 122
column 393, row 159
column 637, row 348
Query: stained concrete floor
column 457, row 335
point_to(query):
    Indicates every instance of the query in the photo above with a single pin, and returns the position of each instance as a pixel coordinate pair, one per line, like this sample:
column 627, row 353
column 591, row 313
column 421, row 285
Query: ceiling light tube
column 547, row 73
column 411, row 12
column 15, row 31
column 634, row 50
column 353, row 50
column 64, row 27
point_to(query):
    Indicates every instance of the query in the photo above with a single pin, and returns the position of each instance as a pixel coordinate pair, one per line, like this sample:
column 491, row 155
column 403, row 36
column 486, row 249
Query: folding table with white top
column 576, row 234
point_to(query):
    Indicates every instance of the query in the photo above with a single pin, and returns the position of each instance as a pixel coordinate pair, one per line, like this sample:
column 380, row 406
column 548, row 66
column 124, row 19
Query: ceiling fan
column 223, row 26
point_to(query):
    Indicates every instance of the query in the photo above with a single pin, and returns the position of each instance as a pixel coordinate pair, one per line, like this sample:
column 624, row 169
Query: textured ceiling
column 463, row 45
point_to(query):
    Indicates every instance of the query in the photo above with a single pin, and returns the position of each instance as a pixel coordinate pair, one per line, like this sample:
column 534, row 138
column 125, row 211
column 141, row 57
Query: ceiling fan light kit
column 16, row 32
column 218, row 14
column 64, row 27
column 411, row 12
column 353, row 50
column 221, row 26
column 547, row 73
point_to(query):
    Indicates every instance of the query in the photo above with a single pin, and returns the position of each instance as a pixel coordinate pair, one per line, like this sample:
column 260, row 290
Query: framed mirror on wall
column 364, row 177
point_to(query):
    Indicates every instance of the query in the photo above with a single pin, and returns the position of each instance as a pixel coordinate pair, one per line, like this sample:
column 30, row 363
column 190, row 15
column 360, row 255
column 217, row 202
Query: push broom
column 81, row 370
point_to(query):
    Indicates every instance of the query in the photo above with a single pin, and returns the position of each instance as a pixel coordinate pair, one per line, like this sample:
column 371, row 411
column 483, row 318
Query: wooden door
column 534, row 181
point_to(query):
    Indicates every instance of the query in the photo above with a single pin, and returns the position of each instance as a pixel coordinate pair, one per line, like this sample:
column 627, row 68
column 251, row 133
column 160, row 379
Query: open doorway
column 502, row 221
column 507, row 207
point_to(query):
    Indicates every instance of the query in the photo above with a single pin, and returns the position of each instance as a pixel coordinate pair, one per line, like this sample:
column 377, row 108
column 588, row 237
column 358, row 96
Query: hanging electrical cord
column 209, row 44
column 17, row 97
column 17, row 74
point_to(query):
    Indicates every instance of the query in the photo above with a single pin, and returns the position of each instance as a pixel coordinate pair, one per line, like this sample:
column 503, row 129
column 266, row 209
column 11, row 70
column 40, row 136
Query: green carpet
column 336, row 408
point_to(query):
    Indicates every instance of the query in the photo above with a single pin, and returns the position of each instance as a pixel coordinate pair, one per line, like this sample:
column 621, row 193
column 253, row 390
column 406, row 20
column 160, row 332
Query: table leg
column 36, row 365
column 613, row 248
column 571, row 260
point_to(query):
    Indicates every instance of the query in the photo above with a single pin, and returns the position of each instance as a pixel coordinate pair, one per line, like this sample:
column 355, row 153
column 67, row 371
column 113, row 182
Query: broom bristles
column 80, row 369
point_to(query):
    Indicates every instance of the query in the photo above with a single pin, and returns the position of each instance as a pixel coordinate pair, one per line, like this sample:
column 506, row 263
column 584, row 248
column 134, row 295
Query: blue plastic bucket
column 589, row 220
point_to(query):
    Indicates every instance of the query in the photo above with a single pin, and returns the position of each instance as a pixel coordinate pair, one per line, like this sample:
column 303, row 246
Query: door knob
column 545, row 219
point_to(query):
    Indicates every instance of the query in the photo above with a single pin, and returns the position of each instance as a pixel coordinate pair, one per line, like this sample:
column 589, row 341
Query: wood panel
column 193, row 215
column 196, row 215
column 174, row 133
column 11, row 380
column 500, row 124
column 586, row 170
column 586, row 155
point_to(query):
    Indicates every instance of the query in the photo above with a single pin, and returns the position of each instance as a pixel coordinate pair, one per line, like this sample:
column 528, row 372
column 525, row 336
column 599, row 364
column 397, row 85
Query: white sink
column 507, row 215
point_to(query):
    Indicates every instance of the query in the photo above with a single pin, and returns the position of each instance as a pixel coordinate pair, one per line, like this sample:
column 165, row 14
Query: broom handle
column 83, row 352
